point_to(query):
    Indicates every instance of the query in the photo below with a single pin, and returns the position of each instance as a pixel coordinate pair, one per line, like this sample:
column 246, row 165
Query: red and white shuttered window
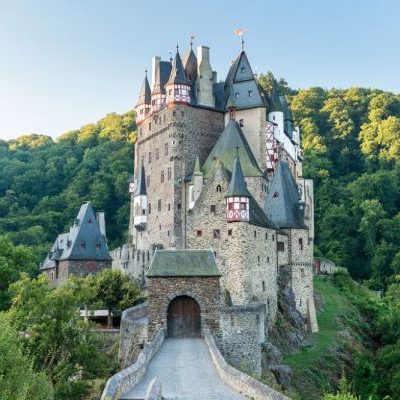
column 237, row 209
column 178, row 93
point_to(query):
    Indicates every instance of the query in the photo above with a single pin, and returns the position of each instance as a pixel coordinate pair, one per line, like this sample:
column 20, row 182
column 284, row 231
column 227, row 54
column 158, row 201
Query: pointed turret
column 177, row 87
column 275, row 101
column 143, row 105
column 283, row 205
column 237, row 196
column 140, row 202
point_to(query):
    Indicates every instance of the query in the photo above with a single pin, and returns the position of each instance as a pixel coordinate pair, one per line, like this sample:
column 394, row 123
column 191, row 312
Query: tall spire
column 276, row 104
column 178, row 74
column 237, row 186
column 145, row 92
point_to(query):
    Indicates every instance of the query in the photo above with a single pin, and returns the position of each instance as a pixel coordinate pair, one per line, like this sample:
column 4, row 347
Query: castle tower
column 140, row 202
column 143, row 105
column 237, row 197
column 177, row 87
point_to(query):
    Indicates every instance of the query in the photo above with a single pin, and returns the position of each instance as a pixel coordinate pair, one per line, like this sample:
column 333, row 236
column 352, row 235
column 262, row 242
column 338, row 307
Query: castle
column 219, row 205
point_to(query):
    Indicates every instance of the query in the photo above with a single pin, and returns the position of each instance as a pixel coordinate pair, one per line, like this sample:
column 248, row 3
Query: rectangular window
column 157, row 154
column 199, row 233
column 250, row 93
column 169, row 207
column 149, row 208
column 229, row 232
column 149, row 157
column 149, row 126
column 169, row 173
column 301, row 243
column 166, row 149
column 263, row 285
column 148, row 180
column 237, row 95
column 281, row 246
column 162, row 176
column 241, row 123
column 179, row 207
column 230, row 206
column 213, row 208
column 216, row 234
column 159, row 204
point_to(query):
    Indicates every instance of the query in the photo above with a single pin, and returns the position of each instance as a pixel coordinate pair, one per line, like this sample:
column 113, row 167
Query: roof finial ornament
column 170, row 56
column 191, row 41
column 240, row 32
column 237, row 152
column 145, row 72
column 177, row 47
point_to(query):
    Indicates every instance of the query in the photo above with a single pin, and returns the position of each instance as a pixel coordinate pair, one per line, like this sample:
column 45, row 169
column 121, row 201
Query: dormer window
column 82, row 245
column 250, row 93
column 276, row 194
column 89, row 221
column 241, row 123
column 219, row 188
column 237, row 95
column 98, row 246
column 243, row 70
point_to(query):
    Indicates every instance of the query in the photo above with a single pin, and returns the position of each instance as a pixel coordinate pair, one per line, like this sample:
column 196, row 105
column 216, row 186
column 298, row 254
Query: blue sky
column 66, row 63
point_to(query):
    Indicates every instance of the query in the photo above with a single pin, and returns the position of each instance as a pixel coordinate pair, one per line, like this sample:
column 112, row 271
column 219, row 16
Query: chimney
column 155, row 63
column 101, row 221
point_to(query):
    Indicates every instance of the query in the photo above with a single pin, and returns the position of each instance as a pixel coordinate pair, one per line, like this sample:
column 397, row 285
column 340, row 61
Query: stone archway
column 183, row 317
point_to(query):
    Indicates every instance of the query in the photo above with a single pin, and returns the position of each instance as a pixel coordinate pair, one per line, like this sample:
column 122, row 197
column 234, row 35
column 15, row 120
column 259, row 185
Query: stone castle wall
column 168, row 144
column 242, row 332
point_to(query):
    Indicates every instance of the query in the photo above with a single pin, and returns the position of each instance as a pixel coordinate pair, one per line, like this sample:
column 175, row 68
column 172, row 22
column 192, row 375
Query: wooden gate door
column 184, row 317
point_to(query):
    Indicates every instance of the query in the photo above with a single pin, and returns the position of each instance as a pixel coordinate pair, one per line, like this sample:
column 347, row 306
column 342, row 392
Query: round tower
column 178, row 87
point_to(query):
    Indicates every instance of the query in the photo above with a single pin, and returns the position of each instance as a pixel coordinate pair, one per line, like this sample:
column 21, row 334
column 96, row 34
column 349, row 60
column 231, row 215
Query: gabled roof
column 241, row 82
column 161, row 77
column 141, row 186
column 145, row 93
column 177, row 74
column 84, row 241
column 283, row 200
column 183, row 263
column 225, row 149
column 237, row 185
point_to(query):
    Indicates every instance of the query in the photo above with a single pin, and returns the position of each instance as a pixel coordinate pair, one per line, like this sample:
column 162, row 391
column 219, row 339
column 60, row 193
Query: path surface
column 186, row 372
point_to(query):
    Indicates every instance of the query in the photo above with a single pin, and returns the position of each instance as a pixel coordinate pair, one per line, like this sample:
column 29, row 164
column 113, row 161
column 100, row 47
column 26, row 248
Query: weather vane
column 191, row 41
column 240, row 32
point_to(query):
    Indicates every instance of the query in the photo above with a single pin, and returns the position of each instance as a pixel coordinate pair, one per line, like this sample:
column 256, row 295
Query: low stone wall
column 154, row 390
column 239, row 381
column 126, row 379
column 133, row 334
column 242, row 332
column 325, row 266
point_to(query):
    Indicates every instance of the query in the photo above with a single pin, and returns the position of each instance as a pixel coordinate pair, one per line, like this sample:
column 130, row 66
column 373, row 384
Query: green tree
column 115, row 290
column 18, row 381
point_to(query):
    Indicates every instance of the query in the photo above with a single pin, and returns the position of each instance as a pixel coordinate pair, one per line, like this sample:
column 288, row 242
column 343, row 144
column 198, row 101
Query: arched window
column 219, row 188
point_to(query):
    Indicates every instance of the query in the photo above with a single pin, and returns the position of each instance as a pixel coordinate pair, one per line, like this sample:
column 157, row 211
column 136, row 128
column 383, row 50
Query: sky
column 67, row 63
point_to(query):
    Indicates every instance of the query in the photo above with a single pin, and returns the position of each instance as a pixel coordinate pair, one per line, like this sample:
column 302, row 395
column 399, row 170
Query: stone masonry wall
column 246, row 254
column 205, row 290
column 168, row 144
column 242, row 332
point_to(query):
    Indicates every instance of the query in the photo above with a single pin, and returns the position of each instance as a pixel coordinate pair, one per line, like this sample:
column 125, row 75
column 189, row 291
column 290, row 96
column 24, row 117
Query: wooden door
column 184, row 317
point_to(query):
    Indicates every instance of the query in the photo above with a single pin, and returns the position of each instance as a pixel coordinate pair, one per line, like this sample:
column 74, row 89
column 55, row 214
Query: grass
column 336, row 306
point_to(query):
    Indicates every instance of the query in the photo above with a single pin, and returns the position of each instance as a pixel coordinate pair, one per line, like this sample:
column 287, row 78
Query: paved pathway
column 186, row 372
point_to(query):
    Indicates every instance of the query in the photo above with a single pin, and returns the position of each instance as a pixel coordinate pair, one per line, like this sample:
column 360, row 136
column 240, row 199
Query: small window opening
column 229, row 232
column 213, row 208
column 217, row 234
column 219, row 188
column 199, row 233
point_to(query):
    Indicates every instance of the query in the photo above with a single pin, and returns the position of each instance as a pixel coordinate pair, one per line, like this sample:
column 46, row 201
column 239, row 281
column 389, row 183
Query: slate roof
column 189, row 61
column 145, row 93
column 287, row 117
column 282, row 202
column 275, row 101
column 141, row 186
column 178, row 74
column 162, row 74
column 241, row 82
column 183, row 263
column 237, row 185
column 84, row 241
column 225, row 149
column 258, row 216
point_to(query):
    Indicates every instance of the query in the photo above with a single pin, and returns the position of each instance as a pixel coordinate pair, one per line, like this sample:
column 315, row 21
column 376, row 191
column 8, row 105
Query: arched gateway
column 183, row 317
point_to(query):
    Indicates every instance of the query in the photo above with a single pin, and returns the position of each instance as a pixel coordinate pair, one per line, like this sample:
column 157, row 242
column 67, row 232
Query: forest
column 351, row 147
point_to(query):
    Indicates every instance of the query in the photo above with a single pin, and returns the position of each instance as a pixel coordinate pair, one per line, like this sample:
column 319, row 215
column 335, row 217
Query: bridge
column 186, row 372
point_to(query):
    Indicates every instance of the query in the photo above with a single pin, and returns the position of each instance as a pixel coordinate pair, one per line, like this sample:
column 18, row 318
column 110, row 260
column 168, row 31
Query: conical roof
column 237, row 186
column 282, row 202
column 225, row 149
column 275, row 101
column 178, row 74
column 162, row 74
column 141, row 187
column 145, row 93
